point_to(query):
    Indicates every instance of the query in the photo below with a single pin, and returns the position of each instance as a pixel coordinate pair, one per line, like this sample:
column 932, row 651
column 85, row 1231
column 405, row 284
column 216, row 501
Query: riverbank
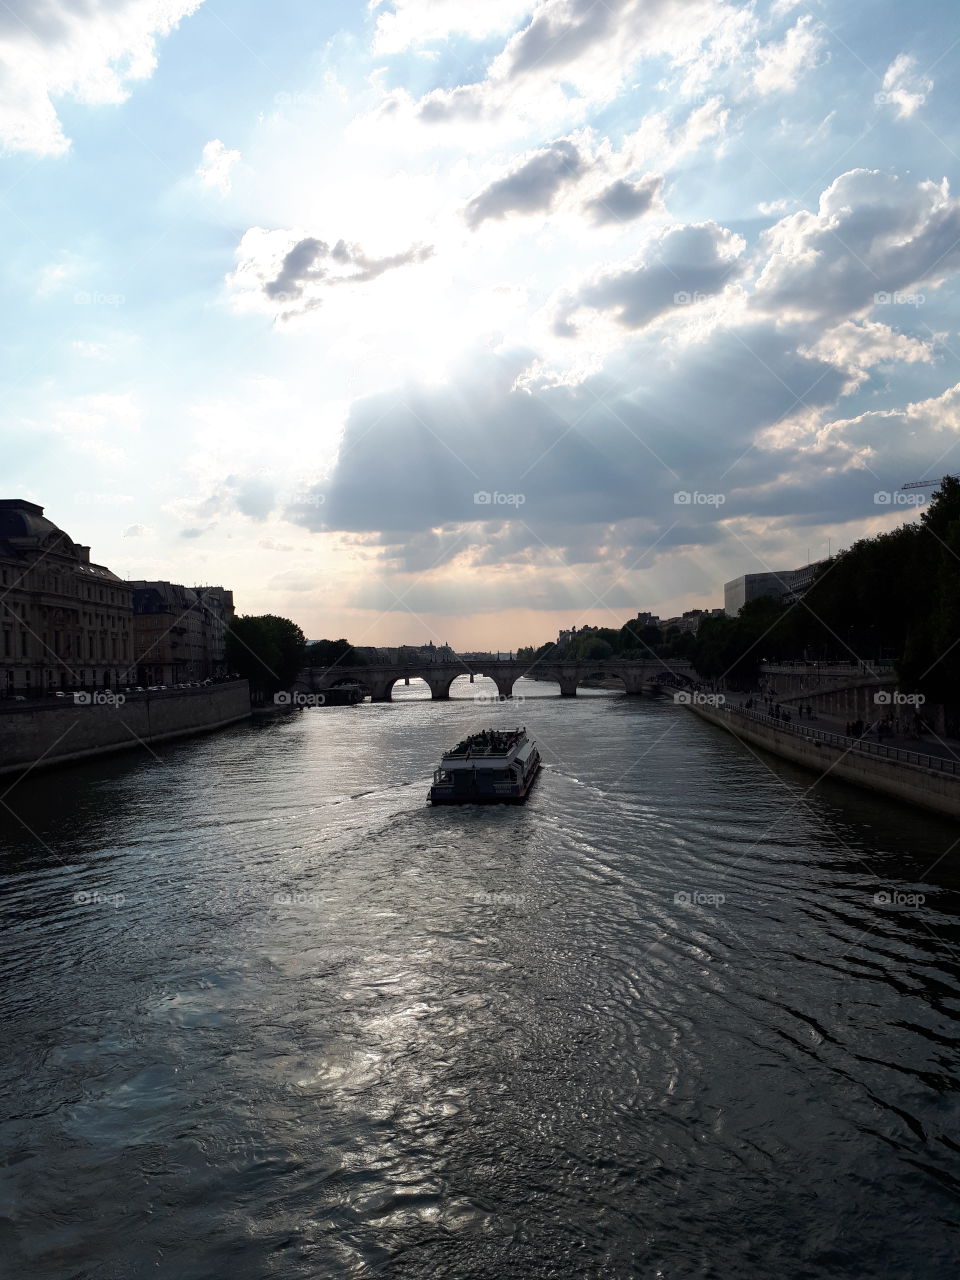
column 927, row 781
column 38, row 737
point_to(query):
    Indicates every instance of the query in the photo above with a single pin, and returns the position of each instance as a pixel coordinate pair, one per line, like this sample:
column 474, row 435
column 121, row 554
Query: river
column 269, row 1014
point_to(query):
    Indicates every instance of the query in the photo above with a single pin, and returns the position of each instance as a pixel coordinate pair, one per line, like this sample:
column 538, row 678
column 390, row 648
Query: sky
column 434, row 320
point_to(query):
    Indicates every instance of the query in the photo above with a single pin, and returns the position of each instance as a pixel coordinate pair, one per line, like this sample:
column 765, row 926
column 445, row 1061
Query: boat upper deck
column 487, row 744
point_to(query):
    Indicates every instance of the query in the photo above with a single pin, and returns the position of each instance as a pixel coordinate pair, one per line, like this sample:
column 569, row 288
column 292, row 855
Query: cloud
column 918, row 441
column 530, row 188
column 780, row 66
column 216, row 166
column 414, row 22
column 578, row 48
column 624, row 201
column 904, row 87
column 860, row 345
column 873, row 236
column 554, row 459
column 90, row 50
column 769, row 207
column 684, row 265
column 294, row 275
column 135, row 531
column 56, row 276
column 101, row 425
column 252, row 496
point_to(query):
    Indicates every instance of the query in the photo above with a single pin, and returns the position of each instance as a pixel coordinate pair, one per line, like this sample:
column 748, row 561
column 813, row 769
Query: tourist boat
column 495, row 766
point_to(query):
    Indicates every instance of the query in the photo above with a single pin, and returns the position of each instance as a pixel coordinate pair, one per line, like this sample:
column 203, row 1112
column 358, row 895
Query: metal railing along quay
column 837, row 668
column 919, row 758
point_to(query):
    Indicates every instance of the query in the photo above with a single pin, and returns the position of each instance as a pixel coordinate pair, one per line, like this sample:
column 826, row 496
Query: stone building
column 65, row 622
column 179, row 633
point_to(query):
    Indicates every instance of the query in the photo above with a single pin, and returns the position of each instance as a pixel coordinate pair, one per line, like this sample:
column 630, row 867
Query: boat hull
column 442, row 795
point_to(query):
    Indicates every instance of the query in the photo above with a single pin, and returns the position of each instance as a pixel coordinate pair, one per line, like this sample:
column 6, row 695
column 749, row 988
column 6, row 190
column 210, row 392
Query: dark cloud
column 531, row 188
column 623, row 201
column 312, row 263
column 549, row 462
column 875, row 234
column 685, row 265
column 561, row 32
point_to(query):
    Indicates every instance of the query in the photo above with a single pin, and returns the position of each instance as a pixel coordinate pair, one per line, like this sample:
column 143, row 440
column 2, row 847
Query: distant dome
column 21, row 519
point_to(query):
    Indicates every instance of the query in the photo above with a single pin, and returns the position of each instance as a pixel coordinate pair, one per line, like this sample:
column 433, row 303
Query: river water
column 269, row 1014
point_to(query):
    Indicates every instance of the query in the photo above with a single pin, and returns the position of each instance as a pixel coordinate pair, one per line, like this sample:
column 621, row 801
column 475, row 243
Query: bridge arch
column 603, row 673
column 437, row 681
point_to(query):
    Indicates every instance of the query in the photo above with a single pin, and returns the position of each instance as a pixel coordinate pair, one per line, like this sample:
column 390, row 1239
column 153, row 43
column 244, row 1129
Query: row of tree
column 893, row 597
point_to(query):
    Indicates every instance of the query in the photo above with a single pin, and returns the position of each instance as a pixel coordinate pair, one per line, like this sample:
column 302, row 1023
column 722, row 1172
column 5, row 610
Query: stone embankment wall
column 928, row 787
column 852, row 701
column 40, row 736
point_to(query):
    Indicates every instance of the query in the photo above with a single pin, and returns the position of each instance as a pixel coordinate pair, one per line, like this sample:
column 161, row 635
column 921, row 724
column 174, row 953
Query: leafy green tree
column 267, row 650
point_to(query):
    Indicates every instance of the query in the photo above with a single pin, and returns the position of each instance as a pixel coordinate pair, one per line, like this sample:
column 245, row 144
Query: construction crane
column 926, row 484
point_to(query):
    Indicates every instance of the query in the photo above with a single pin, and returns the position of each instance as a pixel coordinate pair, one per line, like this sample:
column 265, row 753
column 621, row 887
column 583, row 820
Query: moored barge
column 495, row 766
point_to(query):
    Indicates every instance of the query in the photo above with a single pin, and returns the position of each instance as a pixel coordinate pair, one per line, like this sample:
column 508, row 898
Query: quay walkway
column 928, row 779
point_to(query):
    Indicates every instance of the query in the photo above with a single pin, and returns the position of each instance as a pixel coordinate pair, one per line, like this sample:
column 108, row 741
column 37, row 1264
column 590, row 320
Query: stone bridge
column 638, row 675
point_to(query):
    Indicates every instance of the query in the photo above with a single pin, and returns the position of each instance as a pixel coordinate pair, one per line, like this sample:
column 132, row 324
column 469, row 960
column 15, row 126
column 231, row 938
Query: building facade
column 65, row 622
column 786, row 584
column 179, row 633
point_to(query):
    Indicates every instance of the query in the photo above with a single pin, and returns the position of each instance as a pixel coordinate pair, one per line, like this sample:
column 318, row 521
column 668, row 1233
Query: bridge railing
column 837, row 668
column 921, row 759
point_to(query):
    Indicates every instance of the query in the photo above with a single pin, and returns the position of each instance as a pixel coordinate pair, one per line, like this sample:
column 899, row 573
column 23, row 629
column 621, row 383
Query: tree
column 330, row 653
column 267, row 650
